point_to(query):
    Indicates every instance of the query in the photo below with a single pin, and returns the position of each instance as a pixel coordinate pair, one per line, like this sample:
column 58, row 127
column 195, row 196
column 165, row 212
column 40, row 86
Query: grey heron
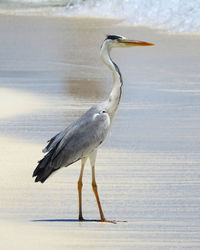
column 81, row 139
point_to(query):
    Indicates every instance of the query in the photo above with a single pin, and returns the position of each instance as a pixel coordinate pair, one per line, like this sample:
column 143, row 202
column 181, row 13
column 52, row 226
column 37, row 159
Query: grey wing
column 84, row 137
column 76, row 141
column 52, row 142
column 56, row 139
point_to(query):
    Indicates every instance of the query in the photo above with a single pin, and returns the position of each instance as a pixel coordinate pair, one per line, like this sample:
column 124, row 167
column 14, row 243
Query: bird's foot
column 80, row 218
column 108, row 221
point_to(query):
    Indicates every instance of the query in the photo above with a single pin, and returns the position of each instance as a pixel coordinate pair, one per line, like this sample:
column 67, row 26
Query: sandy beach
column 147, row 171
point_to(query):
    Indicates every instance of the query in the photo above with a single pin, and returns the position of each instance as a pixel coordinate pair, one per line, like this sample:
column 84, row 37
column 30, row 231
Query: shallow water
column 148, row 170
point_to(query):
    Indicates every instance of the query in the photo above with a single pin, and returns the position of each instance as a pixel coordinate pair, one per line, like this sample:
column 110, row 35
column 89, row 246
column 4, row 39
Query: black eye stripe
column 113, row 37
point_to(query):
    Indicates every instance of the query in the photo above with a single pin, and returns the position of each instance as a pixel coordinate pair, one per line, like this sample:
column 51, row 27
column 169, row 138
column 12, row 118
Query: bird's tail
column 44, row 168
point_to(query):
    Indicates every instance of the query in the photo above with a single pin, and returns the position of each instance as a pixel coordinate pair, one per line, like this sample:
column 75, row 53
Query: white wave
column 180, row 16
column 177, row 16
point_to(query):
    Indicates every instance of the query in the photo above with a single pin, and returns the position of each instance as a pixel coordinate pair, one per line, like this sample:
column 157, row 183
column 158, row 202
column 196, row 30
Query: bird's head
column 115, row 41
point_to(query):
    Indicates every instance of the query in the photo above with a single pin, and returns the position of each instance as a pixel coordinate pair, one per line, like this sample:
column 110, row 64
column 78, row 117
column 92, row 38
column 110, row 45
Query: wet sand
column 147, row 171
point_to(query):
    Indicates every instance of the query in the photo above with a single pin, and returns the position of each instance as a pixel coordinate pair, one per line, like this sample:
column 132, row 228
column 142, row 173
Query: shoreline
column 100, row 22
column 119, row 22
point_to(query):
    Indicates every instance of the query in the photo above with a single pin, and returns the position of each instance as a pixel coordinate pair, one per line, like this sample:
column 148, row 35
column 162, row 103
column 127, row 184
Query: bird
column 81, row 139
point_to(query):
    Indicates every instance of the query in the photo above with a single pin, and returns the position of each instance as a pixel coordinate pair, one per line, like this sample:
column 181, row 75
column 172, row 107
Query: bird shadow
column 64, row 220
column 69, row 220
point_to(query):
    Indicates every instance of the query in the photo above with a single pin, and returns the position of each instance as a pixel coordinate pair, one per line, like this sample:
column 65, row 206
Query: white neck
column 112, row 102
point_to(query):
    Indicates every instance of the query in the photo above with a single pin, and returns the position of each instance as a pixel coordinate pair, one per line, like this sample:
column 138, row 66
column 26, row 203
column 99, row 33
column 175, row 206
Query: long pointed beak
column 136, row 43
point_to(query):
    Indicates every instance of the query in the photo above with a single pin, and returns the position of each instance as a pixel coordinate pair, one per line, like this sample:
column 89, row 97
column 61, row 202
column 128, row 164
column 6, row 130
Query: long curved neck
column 112, row 102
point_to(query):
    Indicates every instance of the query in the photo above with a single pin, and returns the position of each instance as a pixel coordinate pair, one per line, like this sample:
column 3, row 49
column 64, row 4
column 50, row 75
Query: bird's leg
column 80, row 185
column 94, row 187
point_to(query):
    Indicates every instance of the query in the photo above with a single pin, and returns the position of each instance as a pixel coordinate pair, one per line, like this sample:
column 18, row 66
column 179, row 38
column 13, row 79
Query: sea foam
column 178, row 16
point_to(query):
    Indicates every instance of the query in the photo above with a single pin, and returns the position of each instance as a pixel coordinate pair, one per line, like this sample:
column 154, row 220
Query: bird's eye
column 120, row 40
column 103, row 111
